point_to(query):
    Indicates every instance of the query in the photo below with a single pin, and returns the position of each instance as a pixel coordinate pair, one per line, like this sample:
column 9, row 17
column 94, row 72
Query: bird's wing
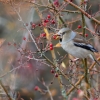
column 80, row 41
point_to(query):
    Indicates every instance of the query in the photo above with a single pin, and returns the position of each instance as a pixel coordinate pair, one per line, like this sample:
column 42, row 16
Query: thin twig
column 81, row 78
column 82, row 11
column 5, row 90
column 49, row 93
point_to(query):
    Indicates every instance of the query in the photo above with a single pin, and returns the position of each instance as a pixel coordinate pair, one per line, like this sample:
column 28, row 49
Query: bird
column 75, row 44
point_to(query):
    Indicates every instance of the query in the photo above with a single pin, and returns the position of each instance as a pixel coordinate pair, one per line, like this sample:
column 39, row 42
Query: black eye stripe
column 63, row 33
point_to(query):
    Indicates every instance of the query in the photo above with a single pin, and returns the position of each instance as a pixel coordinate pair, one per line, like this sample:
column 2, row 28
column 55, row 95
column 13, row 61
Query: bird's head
column 63, row 31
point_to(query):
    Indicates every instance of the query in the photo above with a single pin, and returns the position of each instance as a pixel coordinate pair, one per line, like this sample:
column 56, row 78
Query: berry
column 48, row 16
column 39, row 24
column 56, row 75
column 79, row 26
column 51, row 48
column 56, row 3
column 33, row 25
column 51, row 45
column 43, row 34
column 24, row 38
column 46, row 21
column 86, row 35
column 36, row 88
column 53, row 22
column 85, row 1
column 52, row 71
column 54, row 36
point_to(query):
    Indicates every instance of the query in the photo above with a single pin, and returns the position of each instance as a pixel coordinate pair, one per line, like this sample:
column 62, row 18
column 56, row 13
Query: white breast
column 76, row 51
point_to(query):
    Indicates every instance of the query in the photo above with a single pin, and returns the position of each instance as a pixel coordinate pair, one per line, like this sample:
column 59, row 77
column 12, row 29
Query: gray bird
column 75, row 44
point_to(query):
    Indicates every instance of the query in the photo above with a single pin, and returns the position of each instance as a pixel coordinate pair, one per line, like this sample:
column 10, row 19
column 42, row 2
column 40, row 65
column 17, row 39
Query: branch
column 5, row 91
column 82, row 11
column 79, row 81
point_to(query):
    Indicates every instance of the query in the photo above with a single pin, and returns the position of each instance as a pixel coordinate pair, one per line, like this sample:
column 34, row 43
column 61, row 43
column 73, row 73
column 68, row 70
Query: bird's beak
column 56, row 36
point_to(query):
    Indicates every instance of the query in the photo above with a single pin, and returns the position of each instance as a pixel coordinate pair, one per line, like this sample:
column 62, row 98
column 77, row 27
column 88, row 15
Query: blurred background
column 14, row 37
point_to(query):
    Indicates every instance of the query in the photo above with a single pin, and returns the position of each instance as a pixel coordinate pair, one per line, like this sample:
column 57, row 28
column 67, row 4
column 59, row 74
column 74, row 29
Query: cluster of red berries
column 48, row 20
column 44, row 23
column 56, row 3
column 51, row 46
column 53, row 71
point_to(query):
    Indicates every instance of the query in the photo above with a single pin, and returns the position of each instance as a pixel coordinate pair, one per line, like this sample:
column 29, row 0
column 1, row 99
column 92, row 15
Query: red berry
column 79, row 26
column 56, row 75
column 43, row 34
column 54, row 36
column 56, row 3
column 86, row 35
column 36, row 88
column 48, row 16
column 24, row 38
column 46, row 21
column 51, row 48
column 39, row 24
column 53, row 22
column 51, row 45
column 52, row 71
column 85, row 1
column 33, row 25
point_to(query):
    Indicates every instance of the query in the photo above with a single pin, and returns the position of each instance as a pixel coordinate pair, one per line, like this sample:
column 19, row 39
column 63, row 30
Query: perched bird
column 75, row 44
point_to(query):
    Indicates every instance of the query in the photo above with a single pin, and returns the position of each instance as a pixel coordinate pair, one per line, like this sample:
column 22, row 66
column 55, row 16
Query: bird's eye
column 63, row 33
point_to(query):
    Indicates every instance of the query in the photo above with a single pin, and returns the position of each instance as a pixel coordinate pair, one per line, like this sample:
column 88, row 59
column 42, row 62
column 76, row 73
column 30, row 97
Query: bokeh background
column 12, row 31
